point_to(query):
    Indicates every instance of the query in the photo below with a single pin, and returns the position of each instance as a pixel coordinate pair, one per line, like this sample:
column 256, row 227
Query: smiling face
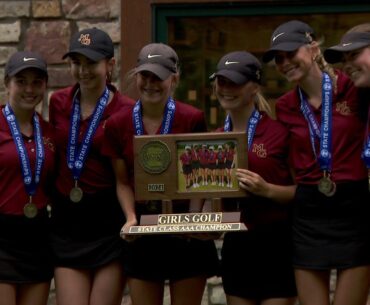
column 356, row 64
column 295, row 66
column 26, row 89
column 154, row 90
column 232, row 96
column 90, row 74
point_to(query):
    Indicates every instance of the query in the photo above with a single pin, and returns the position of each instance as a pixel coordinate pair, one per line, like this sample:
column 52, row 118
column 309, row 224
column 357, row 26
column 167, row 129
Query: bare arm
column 125, row 193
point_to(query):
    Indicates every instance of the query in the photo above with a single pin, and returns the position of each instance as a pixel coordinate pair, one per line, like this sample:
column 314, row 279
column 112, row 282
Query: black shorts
column 212, row 166
column 258, row 264
column 332, row 232
column 195, row 165
column 168, row 257
column 186, row 169
column 86, row 234
column 228, row 164
column 25, row 254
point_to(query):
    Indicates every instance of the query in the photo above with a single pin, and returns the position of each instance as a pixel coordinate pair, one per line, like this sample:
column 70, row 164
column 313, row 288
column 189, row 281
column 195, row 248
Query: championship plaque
column 185, row 166
column 188, row 166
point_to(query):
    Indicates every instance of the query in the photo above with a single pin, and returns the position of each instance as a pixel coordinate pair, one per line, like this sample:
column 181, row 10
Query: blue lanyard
column 29, row 183
column 366, row 151
column 323, row 133
column 76, row 157
column 169, row 114
column 251, row 126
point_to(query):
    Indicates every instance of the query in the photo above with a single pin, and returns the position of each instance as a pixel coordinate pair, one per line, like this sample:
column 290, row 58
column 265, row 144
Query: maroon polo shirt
column 267, row 157
column 269, row 152
column 347, row 135
column 13, row 195
column 120, row 132
column 97, row 173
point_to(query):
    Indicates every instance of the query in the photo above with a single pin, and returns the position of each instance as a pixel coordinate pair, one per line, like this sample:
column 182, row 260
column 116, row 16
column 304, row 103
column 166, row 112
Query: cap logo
column 230, row 62
column 346, row 44
column 85, row 39
column 258, row 74
column 308, row 36
column 154, row 55
column 28, row 58
column 276, row 36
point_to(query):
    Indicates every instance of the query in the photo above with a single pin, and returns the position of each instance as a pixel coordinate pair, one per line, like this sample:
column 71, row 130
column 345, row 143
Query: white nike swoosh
column 154, row 55
column 29, row 58
column 346, row 44
column 273, row 38
column 231, row 62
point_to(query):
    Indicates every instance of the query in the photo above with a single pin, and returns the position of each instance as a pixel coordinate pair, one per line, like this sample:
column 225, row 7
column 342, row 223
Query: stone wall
column 47, row 25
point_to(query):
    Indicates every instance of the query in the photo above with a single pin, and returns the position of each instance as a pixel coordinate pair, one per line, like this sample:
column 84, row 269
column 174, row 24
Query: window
column 202, row 34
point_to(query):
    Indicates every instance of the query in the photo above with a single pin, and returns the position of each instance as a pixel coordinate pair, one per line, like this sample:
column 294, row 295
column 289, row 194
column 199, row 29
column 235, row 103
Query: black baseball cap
column 159, row 59
column 289, row 37
column 239, row 67
column 349, row 42
column 23, row 60
column 93, row 43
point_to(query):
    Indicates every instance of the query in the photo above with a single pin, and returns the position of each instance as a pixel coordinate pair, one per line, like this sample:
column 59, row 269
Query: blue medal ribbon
column 76, row 156
column 30, row 183
column 323, row 134
column 169, row 114
column 366, row 152
column 251, row 126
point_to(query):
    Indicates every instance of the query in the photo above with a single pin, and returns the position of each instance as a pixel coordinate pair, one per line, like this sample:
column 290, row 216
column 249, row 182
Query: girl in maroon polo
column 354, row 52
column 229, row 163
column 185, row 262
column 330, row 227
column 27, row 168
column 203, row 158
column 195, row 165
column 186, row 160
column 256, row 265
column 86, row 215
column 220, row 165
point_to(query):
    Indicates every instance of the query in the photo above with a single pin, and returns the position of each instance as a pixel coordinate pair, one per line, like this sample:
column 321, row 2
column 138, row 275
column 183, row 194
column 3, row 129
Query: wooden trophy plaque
column 188, row 166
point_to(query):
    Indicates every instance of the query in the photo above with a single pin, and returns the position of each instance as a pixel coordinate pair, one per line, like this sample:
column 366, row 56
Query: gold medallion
column 30, row 210
column 76, row 194
column 155, row 157
column 327, row 186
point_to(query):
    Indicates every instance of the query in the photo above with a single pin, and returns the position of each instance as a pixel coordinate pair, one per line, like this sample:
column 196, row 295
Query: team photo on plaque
column 207, row 165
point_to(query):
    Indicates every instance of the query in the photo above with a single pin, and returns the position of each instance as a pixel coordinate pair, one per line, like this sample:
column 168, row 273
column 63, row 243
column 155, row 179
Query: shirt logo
column 343, row 108
column 276, row 36
column 85, row 39
column 28, row 58
column 154, row 55
column 259, row 150
column 230, row 62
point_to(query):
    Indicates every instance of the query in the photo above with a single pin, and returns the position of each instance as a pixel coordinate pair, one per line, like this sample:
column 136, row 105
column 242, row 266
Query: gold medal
column 30, row 210
column 327, row 186
column 76, row 193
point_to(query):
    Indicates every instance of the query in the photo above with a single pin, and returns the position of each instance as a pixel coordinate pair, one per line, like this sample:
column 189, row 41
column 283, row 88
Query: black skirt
column 258, row 264
column 86, row 234
column 168, row 257
column 332, row 232
column 25, row 254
